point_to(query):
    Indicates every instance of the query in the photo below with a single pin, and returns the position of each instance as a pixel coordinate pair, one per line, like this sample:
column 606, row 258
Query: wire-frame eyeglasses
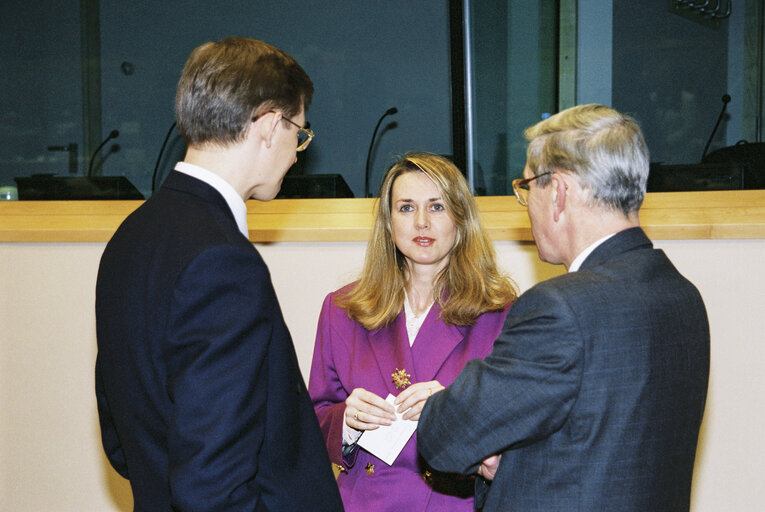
column 521, row 188
column 304, row 135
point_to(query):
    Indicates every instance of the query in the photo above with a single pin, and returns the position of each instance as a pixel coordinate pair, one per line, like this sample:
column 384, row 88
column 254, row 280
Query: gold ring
column 356, row 416
column 430, row 392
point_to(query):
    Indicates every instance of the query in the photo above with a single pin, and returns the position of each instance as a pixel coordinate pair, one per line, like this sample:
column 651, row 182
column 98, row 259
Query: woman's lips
column 423, row 240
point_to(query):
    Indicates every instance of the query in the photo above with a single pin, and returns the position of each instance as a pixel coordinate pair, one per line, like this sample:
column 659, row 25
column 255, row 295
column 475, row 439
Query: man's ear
column 265, row 127
column 559, row 191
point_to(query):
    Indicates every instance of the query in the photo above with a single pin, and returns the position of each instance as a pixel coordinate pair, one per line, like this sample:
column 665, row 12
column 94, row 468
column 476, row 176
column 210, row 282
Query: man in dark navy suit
column 200, row 397
column 593, row 395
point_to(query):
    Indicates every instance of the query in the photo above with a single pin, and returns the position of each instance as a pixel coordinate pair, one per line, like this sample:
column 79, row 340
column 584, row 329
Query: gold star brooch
column 370, row 468
column 400, row 378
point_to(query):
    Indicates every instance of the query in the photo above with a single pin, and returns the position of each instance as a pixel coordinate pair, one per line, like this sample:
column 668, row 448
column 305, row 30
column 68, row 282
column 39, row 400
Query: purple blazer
column 347, row 356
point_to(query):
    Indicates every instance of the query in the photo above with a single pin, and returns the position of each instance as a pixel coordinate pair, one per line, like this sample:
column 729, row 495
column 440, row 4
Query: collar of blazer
column 434, row 343
column 623, row 241
column 189, row 185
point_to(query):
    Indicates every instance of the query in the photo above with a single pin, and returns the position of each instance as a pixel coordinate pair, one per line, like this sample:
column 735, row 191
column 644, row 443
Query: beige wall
column 50, row 454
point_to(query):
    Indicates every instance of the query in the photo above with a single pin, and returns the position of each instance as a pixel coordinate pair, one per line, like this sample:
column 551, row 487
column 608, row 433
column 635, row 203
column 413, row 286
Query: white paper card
column 386, row 442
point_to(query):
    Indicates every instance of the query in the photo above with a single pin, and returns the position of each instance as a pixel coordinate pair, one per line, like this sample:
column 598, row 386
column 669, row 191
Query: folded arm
column 521, row 392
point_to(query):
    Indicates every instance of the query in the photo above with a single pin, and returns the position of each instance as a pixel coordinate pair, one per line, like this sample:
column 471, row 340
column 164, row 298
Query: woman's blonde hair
column 469, row 285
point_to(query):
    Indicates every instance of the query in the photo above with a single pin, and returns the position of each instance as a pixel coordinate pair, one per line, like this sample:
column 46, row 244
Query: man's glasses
column 304, row 136
column 521, row 188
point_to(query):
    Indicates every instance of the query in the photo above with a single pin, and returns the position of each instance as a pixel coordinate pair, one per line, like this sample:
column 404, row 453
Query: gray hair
column 604, row 149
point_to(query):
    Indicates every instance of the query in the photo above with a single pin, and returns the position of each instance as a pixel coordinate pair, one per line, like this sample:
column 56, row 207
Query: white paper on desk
column 386, row 442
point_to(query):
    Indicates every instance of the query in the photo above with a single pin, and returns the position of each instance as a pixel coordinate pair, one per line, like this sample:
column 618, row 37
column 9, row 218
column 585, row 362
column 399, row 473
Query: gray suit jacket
column 593, row 393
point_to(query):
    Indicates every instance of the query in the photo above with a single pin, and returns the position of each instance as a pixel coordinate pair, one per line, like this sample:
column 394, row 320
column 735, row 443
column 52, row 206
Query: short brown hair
column 225, row 83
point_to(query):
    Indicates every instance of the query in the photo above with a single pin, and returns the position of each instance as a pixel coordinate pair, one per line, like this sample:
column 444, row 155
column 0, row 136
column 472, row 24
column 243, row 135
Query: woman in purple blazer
column 430, row 298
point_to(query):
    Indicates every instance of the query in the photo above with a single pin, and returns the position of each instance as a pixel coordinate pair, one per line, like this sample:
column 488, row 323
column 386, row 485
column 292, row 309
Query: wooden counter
column 664, row 216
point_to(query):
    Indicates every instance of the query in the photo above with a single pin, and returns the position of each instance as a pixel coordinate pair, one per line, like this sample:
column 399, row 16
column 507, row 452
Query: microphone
column 112, row 135
column 387, row 113
column 725, row 100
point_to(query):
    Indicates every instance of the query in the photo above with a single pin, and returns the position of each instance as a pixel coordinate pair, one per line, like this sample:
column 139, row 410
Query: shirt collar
column 235, row 202
column 413, row 323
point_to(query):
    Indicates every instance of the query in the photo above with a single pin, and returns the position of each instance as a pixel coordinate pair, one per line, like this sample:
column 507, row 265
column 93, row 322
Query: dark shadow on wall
column 117, row 487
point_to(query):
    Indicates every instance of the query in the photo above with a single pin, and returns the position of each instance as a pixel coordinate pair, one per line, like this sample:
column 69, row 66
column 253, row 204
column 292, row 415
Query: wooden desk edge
column 664, row 216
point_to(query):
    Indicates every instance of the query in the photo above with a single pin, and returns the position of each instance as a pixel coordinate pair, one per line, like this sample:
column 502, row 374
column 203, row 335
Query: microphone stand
column 387, row 113
column 725, row 100
column 159, row 157
column 112, row 135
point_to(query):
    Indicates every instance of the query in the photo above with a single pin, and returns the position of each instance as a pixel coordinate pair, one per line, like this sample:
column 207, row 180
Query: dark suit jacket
column 200, row 397
column 593, row 393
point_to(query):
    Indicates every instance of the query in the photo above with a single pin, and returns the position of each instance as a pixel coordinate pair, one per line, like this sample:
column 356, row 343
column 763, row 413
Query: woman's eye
column 436, row 207
column 406, row 208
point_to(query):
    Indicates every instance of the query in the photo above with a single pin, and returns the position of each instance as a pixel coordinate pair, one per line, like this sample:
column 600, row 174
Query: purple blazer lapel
column 433, row 345
column 390, row 345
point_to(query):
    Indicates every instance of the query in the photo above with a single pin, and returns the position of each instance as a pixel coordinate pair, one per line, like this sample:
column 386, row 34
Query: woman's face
column 423, row 230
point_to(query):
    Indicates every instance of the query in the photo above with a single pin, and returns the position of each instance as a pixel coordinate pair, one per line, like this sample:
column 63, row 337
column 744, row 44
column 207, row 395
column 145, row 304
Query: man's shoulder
column 147, row 242
column 561, row 284
column 172, row 214
column 551, row 294
column 575, row 288
column 630, row 278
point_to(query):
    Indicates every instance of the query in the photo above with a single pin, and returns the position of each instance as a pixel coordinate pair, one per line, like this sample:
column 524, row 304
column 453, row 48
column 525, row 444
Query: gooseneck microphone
column 112, row 135
column 159, row 157
column 387, row 113
column 725, row 100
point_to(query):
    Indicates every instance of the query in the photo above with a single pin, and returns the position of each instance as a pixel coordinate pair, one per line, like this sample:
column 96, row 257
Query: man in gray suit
column 594, row 393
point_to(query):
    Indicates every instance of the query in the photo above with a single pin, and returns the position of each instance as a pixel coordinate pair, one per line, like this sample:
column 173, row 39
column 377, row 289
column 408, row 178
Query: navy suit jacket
column 593, row 393
column 200, row 397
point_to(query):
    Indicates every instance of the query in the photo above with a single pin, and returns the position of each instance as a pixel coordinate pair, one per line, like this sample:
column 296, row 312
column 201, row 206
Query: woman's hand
column 366, row 411
column 413, row 398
